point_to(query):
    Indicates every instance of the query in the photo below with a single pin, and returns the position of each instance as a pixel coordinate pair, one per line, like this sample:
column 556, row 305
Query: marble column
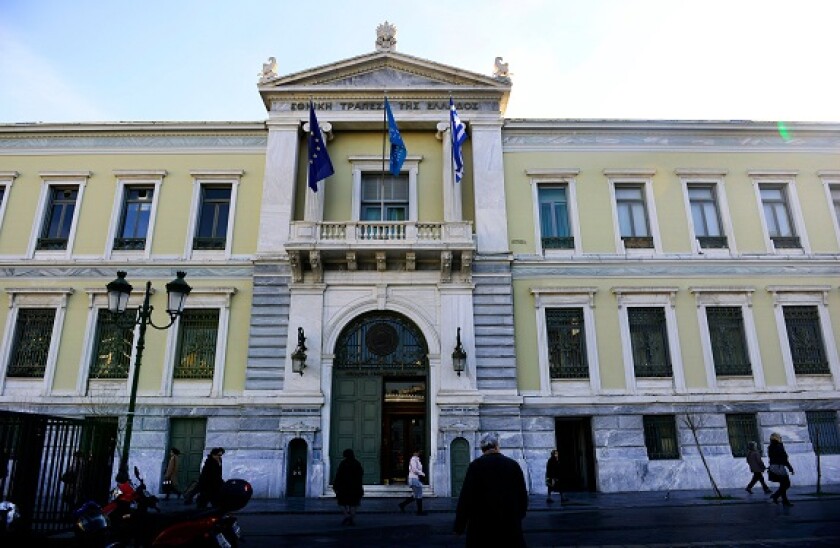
column 489, row 183
column 278, row 198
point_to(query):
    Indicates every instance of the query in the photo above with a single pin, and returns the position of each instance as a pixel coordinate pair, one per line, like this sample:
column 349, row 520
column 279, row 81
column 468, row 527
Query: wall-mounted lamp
column 299, row 355
column 459, row 356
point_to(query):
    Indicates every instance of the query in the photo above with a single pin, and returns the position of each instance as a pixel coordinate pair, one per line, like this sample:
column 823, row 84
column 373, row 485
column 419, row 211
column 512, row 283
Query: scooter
column 127, row 521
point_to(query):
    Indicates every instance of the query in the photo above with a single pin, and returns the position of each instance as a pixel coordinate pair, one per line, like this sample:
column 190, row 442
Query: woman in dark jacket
column 210, row 480
column 779, row 466
column 552, row 476
column 348, row 486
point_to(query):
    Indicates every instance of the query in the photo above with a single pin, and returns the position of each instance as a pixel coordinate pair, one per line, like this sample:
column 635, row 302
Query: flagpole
column 384, row 132
column 451, row 143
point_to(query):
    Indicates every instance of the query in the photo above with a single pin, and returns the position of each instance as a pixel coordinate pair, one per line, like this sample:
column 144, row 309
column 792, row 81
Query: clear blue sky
column 118, row 60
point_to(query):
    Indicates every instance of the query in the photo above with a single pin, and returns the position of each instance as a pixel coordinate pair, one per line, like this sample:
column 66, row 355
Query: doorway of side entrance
column 573, row 438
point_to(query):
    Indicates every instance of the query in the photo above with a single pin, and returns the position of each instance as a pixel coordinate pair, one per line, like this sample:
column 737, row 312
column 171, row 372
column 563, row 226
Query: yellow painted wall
column 98, row 201
column 608, row 331
column 339, row 186
column 594, row 208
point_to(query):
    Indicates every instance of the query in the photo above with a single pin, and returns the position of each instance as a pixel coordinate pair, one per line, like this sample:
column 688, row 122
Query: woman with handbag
column 170, row 477
column 778, row 470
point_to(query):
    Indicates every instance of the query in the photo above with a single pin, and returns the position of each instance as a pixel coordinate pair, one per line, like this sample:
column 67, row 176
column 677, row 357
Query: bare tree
column 694, row 423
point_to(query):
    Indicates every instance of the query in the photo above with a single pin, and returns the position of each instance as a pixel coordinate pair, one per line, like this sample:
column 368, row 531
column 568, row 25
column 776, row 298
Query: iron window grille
column 822, row 428
column 214, row 211
column 566, row 343
column 58, row 218
column 728, row 340
column 31, row 344
column 197, row 336
column 661, row 437
column 649, row 341
column 381, row 342
column 112, row 346
column 742, row 429
column 805, row 339
column 134, row 220
column 555, row 229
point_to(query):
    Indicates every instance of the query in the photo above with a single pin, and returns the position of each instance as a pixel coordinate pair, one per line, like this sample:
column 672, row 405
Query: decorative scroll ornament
column 386, row 37
column 269, row 70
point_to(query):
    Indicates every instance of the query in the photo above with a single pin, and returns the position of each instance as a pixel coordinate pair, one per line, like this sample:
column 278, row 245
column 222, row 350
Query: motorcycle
column 129, row 522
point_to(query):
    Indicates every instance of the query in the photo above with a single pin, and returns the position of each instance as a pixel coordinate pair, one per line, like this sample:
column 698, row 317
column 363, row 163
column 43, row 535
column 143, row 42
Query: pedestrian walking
column 210, row 480
column 415, row 472
column 493, row 499
column 778, row 470
column 348, row 486
column 170, row 477
column 757, row 468
column 553, row 477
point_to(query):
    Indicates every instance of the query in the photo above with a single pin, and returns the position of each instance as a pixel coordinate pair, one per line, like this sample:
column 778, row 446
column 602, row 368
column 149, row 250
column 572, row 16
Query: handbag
column 776, row 472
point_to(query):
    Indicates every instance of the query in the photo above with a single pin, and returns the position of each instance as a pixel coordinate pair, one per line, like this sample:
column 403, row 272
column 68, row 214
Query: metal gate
column 49, row 465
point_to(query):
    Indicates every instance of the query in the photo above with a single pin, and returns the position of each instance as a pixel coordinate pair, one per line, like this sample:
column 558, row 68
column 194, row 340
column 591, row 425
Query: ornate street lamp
column 119, row 291
column 459, row 356
column 299, row 355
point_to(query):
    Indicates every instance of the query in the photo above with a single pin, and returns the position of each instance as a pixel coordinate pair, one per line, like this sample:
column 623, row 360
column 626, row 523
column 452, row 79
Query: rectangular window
column 729, row 341
column 649, row 340
column 661, row 437
column 31, row 343
column 112, row 346
column 774, row 201
column 58, row 218
column 742, row 429
column 554, row 217
column 384, row 198
column 134, row 219
column 632, row 216
column 805, row 339
column 566, row 343
column 705, row 216
column 213, row 212
column 835, row 200
column 197, row 335
column 822, row 428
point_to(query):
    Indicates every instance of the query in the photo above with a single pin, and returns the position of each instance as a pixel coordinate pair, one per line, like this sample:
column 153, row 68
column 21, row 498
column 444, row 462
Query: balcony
column 380, row 245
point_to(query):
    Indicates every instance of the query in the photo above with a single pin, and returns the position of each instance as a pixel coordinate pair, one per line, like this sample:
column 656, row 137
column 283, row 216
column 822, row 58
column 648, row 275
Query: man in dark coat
column 210, row 480
column 493, row 499
column 348, row 486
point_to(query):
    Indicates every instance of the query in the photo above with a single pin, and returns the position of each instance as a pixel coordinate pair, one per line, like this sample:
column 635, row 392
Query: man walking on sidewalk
column 493, row 499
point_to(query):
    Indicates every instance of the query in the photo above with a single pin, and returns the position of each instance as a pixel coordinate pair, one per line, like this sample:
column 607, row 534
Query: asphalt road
column 811, row 522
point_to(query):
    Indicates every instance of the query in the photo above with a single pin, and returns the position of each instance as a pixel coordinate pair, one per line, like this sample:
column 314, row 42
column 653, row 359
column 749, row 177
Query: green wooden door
column 357, row 423
column 459, row 460
column 189, row 436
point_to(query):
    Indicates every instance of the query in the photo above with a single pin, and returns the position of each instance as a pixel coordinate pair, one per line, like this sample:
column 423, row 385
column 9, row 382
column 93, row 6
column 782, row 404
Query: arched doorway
column 379, row 396
column 459, row 461
column 296, row 469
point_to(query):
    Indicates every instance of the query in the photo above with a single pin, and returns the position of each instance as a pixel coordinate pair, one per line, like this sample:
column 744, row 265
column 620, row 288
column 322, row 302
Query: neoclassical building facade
column 632, row 293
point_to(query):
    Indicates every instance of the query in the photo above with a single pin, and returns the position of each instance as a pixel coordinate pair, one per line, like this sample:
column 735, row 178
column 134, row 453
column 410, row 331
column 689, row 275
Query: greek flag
column 459, row 135
column 320, row 166
column 398, row 150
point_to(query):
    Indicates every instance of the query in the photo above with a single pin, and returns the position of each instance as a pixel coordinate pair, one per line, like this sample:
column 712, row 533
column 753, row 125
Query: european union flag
column 320, row 166
column 459, row 135
column 398, row 151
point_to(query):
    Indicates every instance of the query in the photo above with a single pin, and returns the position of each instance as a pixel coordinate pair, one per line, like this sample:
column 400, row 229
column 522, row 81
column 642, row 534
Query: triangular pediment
column 382, row 72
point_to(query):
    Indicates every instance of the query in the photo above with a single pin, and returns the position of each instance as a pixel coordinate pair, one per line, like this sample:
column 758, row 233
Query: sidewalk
column 537, row 503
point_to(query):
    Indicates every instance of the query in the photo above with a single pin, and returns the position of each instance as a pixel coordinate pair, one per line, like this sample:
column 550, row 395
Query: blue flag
column 320, row 166
column 459, row 135
column 398, row 151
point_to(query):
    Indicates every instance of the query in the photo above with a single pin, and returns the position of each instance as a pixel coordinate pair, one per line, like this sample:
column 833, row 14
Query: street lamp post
column 119, row 291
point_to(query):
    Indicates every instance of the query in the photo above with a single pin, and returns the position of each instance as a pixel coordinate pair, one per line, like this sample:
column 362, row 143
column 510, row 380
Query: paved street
column 685, row 518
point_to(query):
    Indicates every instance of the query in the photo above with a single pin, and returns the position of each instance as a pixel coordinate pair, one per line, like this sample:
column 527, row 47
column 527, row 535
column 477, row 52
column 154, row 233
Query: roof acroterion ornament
column 386, row 37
